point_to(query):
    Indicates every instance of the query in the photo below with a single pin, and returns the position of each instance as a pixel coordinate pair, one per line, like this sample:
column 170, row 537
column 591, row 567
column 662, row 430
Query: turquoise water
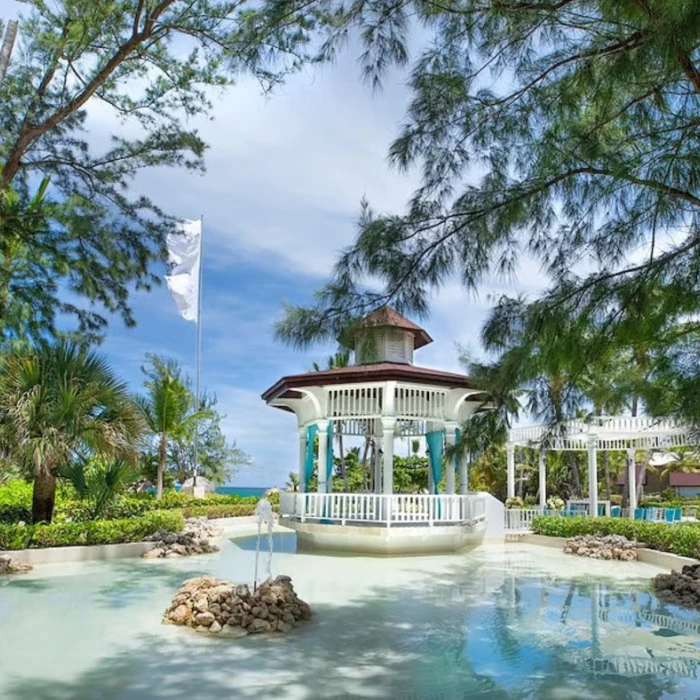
column 499, row 622
column 256, row 491
column 242, row 490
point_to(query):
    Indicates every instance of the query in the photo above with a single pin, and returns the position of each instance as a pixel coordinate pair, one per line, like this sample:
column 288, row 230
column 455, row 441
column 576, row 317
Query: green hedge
column 87, row 533
column 682, row 539
column 222, row 511
column 16, row 504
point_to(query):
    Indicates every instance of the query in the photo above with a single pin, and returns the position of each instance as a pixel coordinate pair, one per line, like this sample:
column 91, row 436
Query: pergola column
column 322, row 455
column 592, row 476
column 302, row 459
column 543, row 477
column 388, row 425
column 451, row 439
column 632, row 481
column 510, row 466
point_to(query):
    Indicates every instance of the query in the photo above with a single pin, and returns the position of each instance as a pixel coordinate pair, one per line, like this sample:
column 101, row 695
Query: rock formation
column 680, row 588
column 7, row 567
column 196, row 538
column 602, row 547
column 226, row 609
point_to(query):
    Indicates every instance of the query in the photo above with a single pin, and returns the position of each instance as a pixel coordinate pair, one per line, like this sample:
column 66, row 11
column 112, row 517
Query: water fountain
column 263, row 512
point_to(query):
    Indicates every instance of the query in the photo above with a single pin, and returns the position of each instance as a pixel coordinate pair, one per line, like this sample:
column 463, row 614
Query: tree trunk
column 341, row 458
column 162, row 454
column 606, row 467
column 363, row 464
column 573, row 461
column 520, row 482
column 43, row 497
column 642, row 474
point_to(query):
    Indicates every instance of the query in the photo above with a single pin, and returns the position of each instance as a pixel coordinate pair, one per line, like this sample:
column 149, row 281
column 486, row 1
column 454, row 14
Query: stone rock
column 258, row 625
column 7, row 566
column 680, row 588
column 229, row 610
column 206, row 619
column 180, row 615
column 608, row 547
column 196, row 538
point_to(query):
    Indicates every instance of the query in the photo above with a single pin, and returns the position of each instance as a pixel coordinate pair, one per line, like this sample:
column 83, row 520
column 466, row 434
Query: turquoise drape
column 329, row 452
column 311, row 431
column 435, row 440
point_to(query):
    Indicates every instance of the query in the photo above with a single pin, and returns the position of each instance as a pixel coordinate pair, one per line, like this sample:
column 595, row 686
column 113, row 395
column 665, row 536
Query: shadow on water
column 481, row 632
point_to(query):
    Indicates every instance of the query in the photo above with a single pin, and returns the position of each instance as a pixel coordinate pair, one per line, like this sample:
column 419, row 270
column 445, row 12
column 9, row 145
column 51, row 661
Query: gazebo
column 595, row 434
column 382, row 396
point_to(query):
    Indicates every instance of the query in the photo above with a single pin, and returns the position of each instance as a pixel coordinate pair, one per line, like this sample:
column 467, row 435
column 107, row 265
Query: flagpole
column 199, row 347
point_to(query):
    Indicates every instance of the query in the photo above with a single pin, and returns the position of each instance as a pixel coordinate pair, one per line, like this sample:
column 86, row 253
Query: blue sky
column 285, row 176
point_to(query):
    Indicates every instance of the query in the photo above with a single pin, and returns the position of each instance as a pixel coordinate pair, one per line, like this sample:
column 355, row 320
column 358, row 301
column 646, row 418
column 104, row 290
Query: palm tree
column 167, row 408
column 59, row 401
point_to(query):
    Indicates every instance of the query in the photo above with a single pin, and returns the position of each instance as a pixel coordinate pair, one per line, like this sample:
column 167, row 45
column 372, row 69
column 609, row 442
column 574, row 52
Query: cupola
column 386, row 336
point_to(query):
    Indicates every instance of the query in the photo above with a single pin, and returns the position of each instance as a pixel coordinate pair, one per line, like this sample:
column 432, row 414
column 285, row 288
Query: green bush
column 16, row 502
column 89, row 533
column 222, row 511
column 682, row 539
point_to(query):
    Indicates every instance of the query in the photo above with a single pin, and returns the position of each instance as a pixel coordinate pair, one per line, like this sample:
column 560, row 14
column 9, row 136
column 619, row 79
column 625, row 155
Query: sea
column 242, row 490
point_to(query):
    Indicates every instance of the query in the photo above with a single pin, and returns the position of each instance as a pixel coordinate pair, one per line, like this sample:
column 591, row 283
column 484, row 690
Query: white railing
column 520, row 519
column 395, row 509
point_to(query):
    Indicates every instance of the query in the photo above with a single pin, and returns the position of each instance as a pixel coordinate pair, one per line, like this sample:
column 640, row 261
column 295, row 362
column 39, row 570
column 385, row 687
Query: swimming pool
column 501, row 621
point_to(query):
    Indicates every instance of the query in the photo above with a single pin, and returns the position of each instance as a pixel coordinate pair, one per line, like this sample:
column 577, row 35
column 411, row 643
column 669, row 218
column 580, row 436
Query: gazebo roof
column 384, row 317
column 381, row 372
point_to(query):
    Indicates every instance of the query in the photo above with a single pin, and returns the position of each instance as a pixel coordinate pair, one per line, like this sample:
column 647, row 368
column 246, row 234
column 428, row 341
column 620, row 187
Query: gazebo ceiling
column 355, row 374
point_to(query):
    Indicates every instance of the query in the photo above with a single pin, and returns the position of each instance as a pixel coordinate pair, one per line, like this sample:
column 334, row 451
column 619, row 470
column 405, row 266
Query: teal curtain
column 311, row 431
column 435, row 442
column 329, row 452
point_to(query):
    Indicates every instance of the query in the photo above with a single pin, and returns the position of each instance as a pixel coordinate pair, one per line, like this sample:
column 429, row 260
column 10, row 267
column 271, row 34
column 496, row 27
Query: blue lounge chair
column 615, row 511
column 639, row 513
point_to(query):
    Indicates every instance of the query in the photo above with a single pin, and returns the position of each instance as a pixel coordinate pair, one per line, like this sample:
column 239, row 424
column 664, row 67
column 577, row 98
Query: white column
column 322, row 454
column 632, row 481
column 302, row 459
column 543, row 478
column 592, row 476
column 451, row 439
column 388, row 425
column 510, row 464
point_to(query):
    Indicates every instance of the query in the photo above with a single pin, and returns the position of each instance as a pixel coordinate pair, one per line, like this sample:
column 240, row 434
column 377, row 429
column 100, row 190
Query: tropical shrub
column 13, row 537
column 220, row 511
column 682, row 539
column 16, row 502
column 555, row 503
column 515, row 502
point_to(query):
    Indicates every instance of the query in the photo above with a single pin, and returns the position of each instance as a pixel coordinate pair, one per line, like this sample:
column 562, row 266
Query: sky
column 280, row 197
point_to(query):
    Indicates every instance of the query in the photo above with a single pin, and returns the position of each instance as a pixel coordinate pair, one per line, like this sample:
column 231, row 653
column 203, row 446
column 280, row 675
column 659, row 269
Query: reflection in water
column 282, row 542
column 505, row 623
column 539, row 637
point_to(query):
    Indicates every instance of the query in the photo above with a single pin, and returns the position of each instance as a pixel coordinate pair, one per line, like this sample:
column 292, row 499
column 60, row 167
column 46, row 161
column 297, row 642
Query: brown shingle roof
column 681, row 479
column 386, row 316
column 383, row 371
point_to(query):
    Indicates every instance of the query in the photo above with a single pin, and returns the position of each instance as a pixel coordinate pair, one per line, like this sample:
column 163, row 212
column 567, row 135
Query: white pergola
column 600, row 433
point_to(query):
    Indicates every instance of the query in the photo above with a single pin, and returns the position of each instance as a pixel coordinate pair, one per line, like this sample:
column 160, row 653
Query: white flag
column 184, row 251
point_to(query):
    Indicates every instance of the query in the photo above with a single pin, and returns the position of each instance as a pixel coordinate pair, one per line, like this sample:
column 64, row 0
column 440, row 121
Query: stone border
column 63, row 555
column 664, row 560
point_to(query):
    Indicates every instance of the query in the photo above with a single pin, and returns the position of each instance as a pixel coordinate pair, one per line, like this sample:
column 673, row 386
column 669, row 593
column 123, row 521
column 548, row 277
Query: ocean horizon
column 242, row 490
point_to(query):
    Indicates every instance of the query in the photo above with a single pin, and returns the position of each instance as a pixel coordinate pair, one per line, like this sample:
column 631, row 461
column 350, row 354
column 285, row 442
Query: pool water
column 501, row 621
